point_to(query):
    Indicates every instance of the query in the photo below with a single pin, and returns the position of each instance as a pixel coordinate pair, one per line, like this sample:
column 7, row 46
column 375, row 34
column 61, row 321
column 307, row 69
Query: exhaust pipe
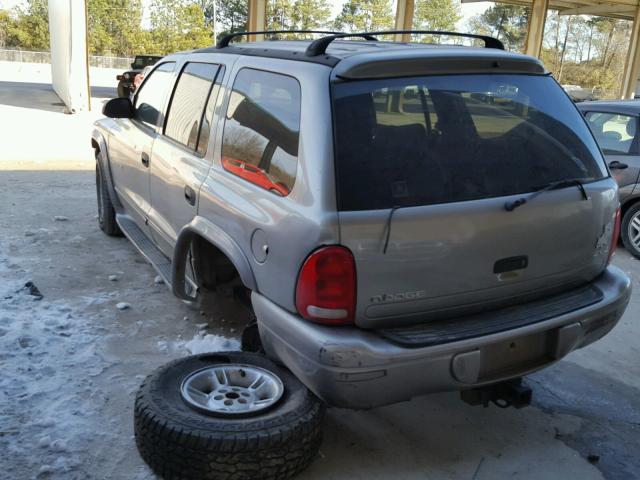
column 511, row 393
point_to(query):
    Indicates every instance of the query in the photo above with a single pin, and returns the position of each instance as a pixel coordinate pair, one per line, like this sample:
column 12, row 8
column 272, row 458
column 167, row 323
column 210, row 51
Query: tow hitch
column 512, row 393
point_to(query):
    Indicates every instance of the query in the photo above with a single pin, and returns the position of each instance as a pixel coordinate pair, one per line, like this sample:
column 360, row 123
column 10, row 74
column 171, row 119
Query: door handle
column 616, row 165
column 190, row 195
column 145, row 159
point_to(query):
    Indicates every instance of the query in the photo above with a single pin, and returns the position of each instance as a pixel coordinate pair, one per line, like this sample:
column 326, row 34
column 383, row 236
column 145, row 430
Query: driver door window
column 150, row 98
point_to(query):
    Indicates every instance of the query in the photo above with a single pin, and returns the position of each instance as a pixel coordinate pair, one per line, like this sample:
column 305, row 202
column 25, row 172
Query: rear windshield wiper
column 570, row 182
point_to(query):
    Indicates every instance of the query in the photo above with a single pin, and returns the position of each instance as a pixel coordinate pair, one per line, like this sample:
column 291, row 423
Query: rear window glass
column 442, row 139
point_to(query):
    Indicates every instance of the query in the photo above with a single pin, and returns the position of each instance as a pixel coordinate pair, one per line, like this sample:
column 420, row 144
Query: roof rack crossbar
column 226, row 40
column 319, row 47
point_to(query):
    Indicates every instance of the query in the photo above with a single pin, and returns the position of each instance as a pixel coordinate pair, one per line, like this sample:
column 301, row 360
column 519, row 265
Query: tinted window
column 262, row 129
column 209, row 112
column 441, row 139
column 150, row 97
column 142, row 61
column 615, row 133
column 188, row 102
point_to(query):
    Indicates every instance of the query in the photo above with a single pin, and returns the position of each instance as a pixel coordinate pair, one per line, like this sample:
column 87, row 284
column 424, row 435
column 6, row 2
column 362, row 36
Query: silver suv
column 407, row 218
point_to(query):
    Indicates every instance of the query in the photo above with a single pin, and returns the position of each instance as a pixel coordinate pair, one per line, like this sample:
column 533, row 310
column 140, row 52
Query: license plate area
column 517, row 355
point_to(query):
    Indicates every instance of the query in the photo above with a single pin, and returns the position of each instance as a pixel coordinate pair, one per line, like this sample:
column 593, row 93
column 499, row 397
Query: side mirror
column 118, row 108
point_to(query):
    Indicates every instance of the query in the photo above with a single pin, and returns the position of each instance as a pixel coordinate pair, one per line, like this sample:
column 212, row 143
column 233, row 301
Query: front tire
column 181, row 440
column 630, row 230
column 106, row 211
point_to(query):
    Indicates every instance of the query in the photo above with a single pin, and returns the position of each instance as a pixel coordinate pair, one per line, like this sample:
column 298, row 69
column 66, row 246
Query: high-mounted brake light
column 614, row 235
column 326, row 290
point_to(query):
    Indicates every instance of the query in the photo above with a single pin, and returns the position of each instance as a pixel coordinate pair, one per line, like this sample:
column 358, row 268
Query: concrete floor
column 587, row 404
column 72, row 362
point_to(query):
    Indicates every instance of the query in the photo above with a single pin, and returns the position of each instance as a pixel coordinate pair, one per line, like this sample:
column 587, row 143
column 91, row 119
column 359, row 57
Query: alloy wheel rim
column 231, row 390
column 633, row 231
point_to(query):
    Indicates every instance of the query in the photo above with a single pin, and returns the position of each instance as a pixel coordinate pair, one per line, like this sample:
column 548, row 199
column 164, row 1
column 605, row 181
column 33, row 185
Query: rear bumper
column 355, row 368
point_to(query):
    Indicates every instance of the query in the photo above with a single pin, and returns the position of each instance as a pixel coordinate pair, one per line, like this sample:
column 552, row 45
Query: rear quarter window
column 262, row 129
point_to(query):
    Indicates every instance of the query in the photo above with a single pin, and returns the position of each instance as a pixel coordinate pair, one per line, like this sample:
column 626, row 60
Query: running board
column 147, row 248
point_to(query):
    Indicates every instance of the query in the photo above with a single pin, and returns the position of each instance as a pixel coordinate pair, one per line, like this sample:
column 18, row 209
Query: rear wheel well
column 211, row 266
column 95, row 145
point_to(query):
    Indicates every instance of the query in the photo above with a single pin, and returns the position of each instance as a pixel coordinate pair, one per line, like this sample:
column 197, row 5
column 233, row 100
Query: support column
column 404, row 19
column 69, row 56
column 257, row 21
column 535, row 29
column 632, row 65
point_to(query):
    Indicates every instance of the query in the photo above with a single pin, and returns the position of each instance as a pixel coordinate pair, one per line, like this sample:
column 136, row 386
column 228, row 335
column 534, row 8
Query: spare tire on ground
column 231, row 415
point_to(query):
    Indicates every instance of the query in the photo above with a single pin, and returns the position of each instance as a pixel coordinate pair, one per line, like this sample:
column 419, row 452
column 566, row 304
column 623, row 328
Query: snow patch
column 207, row 343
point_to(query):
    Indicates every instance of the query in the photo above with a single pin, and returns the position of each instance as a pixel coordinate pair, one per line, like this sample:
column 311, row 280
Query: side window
column 262, row 129
column 188, row 102
column 150, row 98
column 210, row 110
column 615, row 133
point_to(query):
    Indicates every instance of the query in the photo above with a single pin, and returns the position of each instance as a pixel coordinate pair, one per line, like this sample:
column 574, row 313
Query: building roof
column 623, row 9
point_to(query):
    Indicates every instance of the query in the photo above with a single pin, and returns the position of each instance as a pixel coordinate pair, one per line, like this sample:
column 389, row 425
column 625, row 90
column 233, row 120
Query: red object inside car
column 254, row 175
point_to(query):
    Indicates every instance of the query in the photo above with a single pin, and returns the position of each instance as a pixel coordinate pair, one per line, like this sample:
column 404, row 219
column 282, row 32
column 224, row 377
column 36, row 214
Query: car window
column 209, row 112
column 187, row 104
column 615, row 133
column 262, row 128
column 453, row 138
column 150, row 98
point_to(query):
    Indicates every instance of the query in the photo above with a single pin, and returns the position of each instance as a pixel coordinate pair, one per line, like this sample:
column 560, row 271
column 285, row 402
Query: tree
column 507, row 23
column 280, row 15
column 178, row 25
column 311, row 14
column 365, row 15
column 115, row 27
column 6, row 23
column 232, row 16
column 436, row 15
column 30, row 29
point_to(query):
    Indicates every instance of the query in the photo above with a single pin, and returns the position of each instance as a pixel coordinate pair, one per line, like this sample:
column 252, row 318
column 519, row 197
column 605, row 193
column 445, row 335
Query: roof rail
column 319, row 47
column 226, row 40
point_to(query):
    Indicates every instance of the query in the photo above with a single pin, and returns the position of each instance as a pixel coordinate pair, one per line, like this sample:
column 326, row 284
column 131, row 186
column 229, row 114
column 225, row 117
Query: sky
column 468, row 9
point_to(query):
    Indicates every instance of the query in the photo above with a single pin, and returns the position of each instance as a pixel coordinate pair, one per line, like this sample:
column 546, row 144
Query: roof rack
column 226, row 40
column 319, row 47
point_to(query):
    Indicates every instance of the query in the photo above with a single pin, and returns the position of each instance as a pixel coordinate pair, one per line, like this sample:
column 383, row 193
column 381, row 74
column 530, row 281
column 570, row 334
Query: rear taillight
column 615, row 235
column 326, row 290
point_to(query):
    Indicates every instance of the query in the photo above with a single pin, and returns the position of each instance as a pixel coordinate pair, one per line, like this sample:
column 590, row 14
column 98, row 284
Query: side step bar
column 154, row 256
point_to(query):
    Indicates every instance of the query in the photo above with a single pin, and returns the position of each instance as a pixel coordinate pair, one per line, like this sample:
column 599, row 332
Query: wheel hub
column 231, row 390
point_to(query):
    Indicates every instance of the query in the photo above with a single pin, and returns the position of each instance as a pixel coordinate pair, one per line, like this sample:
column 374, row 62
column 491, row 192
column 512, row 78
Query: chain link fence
column 9, row 55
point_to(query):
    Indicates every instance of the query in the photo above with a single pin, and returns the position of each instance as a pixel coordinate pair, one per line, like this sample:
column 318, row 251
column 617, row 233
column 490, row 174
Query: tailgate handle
column 510, row 264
